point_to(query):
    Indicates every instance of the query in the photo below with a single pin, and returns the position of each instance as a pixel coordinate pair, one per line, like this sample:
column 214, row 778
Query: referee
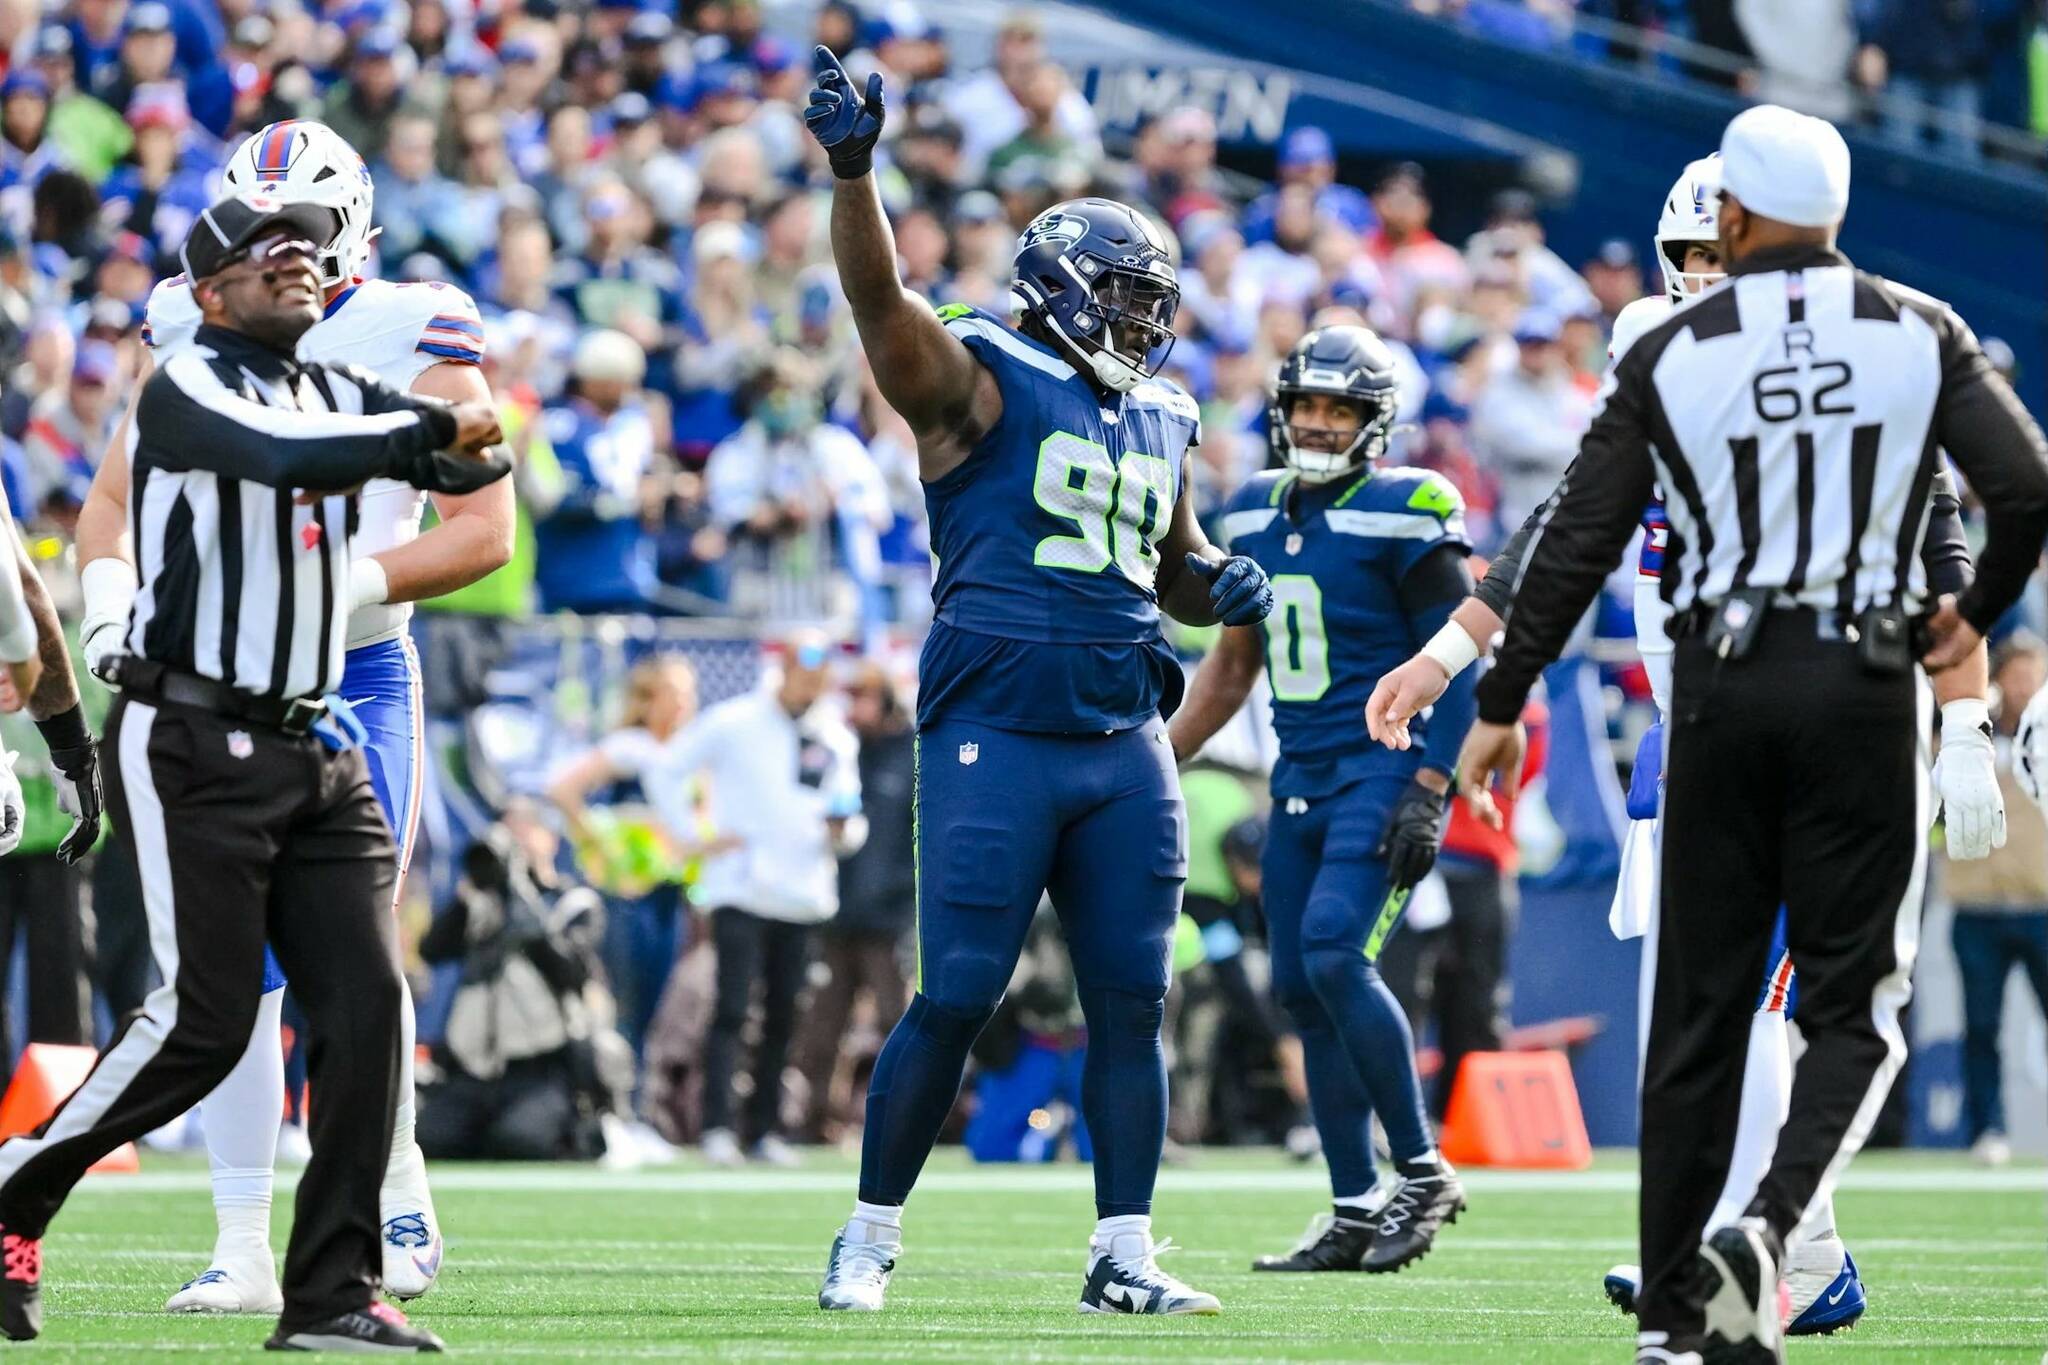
column 1794, row 416
column 246, row 825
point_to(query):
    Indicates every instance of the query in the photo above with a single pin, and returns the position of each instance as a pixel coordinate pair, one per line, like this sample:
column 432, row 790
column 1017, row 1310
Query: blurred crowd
column 627, row 192
column 1930, row 74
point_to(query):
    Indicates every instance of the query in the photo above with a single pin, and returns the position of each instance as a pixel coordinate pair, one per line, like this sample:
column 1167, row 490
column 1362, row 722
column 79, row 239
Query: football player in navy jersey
column 1055, row 466
column 1366, row 564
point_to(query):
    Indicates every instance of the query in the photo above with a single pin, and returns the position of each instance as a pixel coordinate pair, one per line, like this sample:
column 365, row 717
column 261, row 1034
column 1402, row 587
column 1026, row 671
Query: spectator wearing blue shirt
column 148, row 54
column 1308, row 158
column 161, row 192
column 595, row 554
column 26, row 154
column 96, row 41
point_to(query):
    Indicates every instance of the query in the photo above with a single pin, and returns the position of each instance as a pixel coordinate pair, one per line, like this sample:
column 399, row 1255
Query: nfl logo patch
column 240, row 745
column 969, row 754
column 1294, row 544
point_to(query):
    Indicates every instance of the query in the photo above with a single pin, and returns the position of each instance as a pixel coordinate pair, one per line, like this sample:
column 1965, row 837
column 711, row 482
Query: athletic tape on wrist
column 1453, row 650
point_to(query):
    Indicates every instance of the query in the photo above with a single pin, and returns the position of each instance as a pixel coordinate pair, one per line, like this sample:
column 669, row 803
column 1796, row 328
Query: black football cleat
column 1426, row 1198
column 379, row 1329
column 1745, row 1298
column 21, row 1286
column 1331, row 1243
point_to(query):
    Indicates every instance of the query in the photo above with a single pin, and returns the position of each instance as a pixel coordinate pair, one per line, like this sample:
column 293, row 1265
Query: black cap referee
column 1795, row 416
column 245, row 824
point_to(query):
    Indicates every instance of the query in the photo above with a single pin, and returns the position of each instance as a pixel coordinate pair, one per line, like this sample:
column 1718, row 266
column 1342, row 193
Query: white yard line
column 1055, row 1180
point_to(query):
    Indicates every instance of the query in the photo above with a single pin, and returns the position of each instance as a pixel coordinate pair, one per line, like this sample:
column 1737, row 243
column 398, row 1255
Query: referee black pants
column 241, row 833
column 1794, row 777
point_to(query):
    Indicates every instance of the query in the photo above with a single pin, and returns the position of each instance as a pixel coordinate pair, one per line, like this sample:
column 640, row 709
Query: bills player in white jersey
column 426, row 338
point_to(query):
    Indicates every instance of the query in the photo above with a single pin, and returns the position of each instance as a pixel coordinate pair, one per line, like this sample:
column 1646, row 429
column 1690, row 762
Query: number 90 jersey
column 1046, row 613
column 1336, row 555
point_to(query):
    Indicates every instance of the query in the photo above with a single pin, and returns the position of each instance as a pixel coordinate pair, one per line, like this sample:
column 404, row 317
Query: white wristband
column 1453, row 650
column 368, row 584
column 1965, row 713
column 109, row 585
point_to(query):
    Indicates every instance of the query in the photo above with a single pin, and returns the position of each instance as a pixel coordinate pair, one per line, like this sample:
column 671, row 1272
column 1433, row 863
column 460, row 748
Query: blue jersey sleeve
column 1413, row 511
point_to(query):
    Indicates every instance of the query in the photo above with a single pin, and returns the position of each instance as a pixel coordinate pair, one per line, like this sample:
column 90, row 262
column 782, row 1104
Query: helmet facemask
column 1681, row 284
column 1124, row 332
column 1314, row 463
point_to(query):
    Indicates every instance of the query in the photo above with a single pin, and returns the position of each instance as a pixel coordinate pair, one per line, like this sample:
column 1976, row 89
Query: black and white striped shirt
column 240, row 582
column 1794, row 417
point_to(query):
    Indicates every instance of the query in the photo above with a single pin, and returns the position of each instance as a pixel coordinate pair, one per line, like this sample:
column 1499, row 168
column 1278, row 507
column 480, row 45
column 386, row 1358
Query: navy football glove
column 1415, row 832
column 1238, row 591
column 845, row 125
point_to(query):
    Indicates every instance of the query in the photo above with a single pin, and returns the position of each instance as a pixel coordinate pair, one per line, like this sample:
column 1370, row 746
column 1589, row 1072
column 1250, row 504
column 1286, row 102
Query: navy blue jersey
column 1337, row 555
column 1046, row 617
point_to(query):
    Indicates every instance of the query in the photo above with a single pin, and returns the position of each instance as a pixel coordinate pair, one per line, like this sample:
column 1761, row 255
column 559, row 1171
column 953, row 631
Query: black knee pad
column 947, row 1025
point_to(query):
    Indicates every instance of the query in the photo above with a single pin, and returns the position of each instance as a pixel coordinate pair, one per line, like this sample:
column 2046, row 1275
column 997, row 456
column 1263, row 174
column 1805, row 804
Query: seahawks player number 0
column 1118, row 508
column 1297, row 649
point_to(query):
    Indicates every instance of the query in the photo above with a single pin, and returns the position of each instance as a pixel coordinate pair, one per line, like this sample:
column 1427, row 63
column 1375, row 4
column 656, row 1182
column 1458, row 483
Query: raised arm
column 925, row 373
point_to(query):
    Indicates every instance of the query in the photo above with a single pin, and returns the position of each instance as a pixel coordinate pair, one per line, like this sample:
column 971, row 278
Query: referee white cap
column 1786, row 165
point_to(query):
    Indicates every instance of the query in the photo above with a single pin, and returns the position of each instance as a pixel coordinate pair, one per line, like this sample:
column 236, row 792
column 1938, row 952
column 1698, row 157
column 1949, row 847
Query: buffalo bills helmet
column 1691, row 216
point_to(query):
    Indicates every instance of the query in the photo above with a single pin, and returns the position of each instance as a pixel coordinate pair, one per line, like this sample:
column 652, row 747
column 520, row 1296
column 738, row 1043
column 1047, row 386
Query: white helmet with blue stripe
column 1692, row 215
column 302, row 162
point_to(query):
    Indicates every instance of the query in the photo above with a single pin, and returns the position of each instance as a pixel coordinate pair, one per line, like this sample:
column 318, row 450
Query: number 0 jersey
column 1046, row 614
column 1336, row 555
column 395, row 331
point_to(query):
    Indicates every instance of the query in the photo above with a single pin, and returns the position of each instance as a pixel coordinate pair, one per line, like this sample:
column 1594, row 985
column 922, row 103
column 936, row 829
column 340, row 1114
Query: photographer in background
column 785, row 791
column 864, row 944
column 530, row 1066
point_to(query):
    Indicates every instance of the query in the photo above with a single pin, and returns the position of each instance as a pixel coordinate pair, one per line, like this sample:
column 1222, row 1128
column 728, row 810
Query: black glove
column 1415, row 833
column 441, row 471
column 1239, row 592
column 77, row 761
column 845, row 125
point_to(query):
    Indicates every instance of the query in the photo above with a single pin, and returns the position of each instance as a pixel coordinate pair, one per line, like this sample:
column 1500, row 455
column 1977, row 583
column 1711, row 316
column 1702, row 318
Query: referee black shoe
column 1334, row 1241
column 1739, row 1274
column 379, row 1329
column 1427, row 1197
column 21, row 1286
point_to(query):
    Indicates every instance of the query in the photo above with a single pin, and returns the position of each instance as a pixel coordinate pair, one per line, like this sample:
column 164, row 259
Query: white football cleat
column 412, row 1254
column 773, row 1151
column 857, row 1272
column 720, row 1148
column 1124, row 1277
column 246, row 1284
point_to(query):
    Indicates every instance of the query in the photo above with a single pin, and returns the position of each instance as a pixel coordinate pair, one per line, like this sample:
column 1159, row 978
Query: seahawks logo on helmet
column 1052, row 225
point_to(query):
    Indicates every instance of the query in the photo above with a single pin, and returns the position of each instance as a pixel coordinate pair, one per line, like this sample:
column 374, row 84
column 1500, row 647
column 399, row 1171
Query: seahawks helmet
column 1098, row 278
column 1345, row 361
column 1692, row 215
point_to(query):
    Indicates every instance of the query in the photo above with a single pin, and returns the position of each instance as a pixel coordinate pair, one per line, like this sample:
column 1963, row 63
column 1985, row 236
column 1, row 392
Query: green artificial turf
column 570, row 1263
